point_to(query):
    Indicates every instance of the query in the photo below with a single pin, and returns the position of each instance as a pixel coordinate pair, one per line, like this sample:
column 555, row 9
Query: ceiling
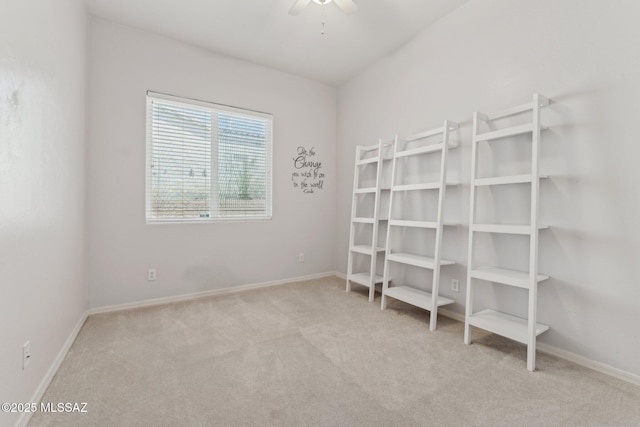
column 263, row 32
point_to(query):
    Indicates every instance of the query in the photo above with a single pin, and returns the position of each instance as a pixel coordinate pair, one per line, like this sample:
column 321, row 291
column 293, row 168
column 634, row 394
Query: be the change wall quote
column 307, row 175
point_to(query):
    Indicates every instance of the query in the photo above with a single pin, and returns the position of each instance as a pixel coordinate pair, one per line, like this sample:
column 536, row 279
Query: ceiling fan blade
column 298, row 7
column 347, row 6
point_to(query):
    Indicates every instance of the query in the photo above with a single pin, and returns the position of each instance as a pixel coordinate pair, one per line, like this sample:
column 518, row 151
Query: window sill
column 208, row 220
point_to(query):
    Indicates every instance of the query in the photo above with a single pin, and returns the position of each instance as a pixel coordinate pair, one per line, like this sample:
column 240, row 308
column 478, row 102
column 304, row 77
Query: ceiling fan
column 347, row 6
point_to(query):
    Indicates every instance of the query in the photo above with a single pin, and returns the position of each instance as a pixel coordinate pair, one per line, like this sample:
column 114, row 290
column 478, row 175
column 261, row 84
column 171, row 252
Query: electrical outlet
column 455, row 285
column 301, row 257
column 26, row 355
column 151, row 276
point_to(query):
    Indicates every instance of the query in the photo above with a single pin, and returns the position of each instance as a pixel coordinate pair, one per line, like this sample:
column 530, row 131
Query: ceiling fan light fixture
column 347, row 6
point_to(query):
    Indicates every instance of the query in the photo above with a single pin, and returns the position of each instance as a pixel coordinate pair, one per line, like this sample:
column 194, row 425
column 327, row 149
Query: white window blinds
column 206, row 161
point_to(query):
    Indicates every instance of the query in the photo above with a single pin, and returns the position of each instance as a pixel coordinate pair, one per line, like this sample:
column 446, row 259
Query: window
column 206, row 161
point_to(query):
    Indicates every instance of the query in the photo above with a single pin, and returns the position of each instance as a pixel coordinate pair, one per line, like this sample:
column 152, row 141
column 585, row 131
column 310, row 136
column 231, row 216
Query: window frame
column 214, row 161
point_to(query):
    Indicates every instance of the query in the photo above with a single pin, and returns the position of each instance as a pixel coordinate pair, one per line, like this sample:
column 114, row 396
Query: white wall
column 124, row 63
column 492, row 54
column 43, row 292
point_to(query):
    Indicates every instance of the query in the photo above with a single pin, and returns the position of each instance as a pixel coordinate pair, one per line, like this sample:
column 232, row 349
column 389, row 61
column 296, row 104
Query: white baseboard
column 53, row 369
column 197, row 295
column 588, row 363
column 567, row 355
column 340, row 275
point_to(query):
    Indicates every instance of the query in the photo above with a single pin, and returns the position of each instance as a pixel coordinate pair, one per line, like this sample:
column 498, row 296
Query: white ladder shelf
column 515, row 328
column 420, row 298
column 370, row 278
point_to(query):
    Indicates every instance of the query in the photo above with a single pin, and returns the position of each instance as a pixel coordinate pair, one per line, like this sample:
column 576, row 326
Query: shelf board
column 501, row 180
column 418, row 224
column 364, row 279
column 424, row 150
column 412, row 187
column 426, row 134
column 365, row 249
column 365, row 148
column 363, row 220
column 507, row 229
column 522, row 108
column 505, row 133
column 516, row 278
column 365, row 190
column 417, row 260
column 415, row 297
column 367, row 161
column 504, row 324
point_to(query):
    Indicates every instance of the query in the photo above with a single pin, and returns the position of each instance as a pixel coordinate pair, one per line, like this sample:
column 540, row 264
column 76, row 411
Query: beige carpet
column 309, row 354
